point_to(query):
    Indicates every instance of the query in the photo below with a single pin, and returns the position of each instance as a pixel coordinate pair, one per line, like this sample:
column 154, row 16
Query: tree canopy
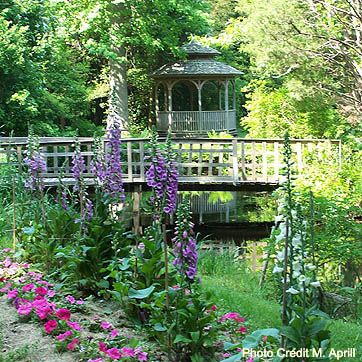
column 65, row 66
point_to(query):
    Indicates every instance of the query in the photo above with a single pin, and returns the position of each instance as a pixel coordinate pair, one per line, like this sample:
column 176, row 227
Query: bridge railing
column 203, row 160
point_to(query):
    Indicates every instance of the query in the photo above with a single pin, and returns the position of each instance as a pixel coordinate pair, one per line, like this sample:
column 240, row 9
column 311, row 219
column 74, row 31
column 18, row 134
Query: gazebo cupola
column 197, row 95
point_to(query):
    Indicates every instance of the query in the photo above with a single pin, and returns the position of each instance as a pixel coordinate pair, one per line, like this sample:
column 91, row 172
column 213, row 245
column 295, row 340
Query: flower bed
column 36, row 299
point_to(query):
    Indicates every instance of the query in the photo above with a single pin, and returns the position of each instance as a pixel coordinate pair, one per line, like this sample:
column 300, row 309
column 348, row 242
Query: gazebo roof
column 200, row 62
column 195, row 48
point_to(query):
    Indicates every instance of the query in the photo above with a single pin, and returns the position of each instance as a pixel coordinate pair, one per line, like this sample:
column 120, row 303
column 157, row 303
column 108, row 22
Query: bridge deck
column 204, row 163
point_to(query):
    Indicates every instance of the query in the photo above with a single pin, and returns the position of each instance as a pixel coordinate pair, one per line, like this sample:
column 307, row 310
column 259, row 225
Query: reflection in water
column 222, row 216
column 231, row 207
column 232, row 216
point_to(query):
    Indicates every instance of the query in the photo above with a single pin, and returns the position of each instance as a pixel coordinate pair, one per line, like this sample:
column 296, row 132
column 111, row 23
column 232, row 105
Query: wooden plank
column 276, row 161
column 264, row 162
column 235, row 161
column 129, row 161
column 189, row 170
column 299, row 157
column 142, row 161
column 253, row 161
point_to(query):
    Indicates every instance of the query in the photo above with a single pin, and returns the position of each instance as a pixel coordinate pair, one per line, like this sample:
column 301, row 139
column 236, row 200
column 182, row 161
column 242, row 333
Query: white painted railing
column 196, row 122
column 200, row 160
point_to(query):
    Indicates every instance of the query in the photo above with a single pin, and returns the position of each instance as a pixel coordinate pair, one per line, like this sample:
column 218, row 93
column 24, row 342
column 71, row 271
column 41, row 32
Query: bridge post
column 235, row 161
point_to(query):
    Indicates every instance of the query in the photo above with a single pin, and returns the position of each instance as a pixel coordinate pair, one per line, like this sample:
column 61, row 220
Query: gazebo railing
column 196, row 121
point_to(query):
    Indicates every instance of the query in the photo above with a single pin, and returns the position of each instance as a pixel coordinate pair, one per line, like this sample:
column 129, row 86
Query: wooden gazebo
column 197, row 95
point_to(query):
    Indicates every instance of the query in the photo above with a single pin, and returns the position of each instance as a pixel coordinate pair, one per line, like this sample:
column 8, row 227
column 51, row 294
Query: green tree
column 39, row 82
column 134, row 37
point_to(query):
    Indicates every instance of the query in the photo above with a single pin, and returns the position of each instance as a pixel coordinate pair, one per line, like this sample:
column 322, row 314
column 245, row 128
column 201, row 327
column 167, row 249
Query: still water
column 227, row 216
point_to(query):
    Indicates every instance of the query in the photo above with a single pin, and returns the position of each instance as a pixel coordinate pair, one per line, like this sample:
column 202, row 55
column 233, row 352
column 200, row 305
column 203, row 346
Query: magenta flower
column 70, row 299
column 113, row 353
column 41, row 291
column 234, row 316
column 127, row 352
column 12, row 293
column 63, row 314
column 50, row 326
column 62, row 337
column 143, row 356
column 114, row 333
column 73, row 325
column 242, row 330
column 25, row 308
column 105, row 325
column 28, row 287
column 102, row 347
column 96, row 360
column 72, row 344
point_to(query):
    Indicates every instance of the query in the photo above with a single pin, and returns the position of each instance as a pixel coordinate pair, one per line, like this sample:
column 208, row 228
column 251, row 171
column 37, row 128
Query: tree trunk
column 118, row 95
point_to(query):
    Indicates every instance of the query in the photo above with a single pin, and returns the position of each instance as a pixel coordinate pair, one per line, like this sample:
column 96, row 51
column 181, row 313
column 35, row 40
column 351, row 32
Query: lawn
column 233, row 287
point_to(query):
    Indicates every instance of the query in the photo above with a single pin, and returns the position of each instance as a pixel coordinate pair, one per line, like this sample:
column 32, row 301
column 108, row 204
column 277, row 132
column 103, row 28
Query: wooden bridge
column 204, row 163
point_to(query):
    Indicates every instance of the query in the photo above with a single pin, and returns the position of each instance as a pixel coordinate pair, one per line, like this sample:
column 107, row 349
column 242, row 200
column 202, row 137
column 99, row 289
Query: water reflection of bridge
column 204, row 164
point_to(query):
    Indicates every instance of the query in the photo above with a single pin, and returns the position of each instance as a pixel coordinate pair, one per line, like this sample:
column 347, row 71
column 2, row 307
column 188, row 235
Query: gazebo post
column 234, row 94
column 219, row 89
column 169, row 92
column 156, row 98
column 199, row 92
column 227, row 103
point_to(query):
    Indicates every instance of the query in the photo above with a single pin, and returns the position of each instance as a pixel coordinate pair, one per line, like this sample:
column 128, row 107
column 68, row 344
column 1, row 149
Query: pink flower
column 70, row 299
column 251, row 359
column 80, row 301
column 72, row 344
column 41, row 291
column 114, row 333
column 28, row 287
column 102, row 347
column 225, row 355
column 213, row 307
column 142, row 356
column 7, row 262
column 63, row 314
column 12, row 293
column 51, row 293
column 64, row 336
column 265, row 338
column 42, row 307
column 25, row 308
column 242, row 330
column 96, row 360
column 74, row 325
column 176, row 287
column 234, row 316
column 50, row 326
column 106, row 325
column 127, row 352
column 113, row 353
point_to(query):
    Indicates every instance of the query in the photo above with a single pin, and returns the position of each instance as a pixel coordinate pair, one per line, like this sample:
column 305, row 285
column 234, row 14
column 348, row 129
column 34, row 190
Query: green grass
column 234, row 288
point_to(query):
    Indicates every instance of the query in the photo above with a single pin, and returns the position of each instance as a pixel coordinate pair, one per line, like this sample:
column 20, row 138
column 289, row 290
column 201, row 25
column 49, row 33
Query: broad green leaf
column 141, row 293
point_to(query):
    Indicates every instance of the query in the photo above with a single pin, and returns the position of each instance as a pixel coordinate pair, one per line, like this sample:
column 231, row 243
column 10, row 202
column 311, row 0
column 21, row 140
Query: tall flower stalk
column 111, row 173
column 294, row 262
column 162, row 176
column 35, row 163
column 185, row 252
column 80, row 189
